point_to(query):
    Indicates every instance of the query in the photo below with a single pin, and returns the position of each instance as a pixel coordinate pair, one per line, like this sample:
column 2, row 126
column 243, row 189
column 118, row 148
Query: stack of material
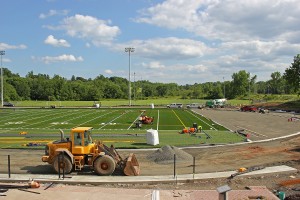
column 165, row 155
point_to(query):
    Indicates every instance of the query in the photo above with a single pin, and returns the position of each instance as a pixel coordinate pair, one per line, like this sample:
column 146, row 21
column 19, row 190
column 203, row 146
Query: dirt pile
column 165, row 155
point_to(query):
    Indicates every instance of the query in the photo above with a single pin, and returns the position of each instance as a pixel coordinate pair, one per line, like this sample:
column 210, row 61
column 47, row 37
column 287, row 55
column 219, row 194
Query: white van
column 175, row 105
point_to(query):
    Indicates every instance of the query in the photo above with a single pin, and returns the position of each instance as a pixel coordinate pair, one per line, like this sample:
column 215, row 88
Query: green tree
column 161, row 90
column 240, row 83
column 112, row 91
column 276, row 83
column 292, row 75
column 9, row 93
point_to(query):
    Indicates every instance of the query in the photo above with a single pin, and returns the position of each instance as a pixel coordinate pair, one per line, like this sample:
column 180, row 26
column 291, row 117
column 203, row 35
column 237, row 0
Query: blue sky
column 181, row 41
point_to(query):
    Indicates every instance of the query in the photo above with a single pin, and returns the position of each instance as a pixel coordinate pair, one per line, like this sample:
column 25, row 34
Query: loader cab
column 82, row 140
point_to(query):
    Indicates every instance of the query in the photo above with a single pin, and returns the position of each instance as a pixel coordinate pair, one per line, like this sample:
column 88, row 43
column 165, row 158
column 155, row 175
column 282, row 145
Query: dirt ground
column 210, row 159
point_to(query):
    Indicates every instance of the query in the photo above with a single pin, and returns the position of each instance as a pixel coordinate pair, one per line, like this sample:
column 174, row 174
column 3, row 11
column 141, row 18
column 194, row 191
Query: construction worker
column 199, row 128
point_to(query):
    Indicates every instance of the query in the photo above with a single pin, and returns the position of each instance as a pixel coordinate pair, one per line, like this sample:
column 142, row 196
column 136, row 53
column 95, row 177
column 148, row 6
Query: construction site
column 265, row 166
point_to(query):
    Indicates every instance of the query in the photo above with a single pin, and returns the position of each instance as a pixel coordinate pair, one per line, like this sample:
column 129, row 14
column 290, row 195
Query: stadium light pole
column 129, row 50
column 134, row 88
column 2, row 53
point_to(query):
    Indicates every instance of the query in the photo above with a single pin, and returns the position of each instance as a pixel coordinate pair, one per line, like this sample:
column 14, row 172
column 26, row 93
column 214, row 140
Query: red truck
column 249, row 108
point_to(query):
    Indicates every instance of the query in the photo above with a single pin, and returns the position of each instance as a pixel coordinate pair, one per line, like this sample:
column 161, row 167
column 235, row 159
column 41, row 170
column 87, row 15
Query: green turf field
column 112, row 125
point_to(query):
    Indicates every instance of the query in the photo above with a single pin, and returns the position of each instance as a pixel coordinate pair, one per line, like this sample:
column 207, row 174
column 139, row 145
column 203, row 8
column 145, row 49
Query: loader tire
column 104, row 165
column 64, row 164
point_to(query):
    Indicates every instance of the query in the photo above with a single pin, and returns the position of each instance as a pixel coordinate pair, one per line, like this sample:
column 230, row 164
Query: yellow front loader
column 79, row 150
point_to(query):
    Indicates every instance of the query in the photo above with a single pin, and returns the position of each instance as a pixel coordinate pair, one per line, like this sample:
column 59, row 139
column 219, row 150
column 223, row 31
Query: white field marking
column 134, row 121
column 77, row 116
column 14, row 123
column 20, row 116
column 95, row 118
column 110, row 122
column 33, row 118
column 192, row 113
column 57, row 123
column 157, row 120
column 48, row 119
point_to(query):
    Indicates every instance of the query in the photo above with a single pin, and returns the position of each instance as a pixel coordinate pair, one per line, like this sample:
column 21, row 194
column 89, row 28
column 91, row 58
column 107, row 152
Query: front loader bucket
column 132, row 167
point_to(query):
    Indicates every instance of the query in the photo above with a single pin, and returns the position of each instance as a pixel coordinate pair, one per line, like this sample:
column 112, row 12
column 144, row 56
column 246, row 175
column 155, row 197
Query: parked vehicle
column 216, row 103
column 194, row 105
column 249, row 108
column 263, row 110
column 175, row 105
column 7, row 104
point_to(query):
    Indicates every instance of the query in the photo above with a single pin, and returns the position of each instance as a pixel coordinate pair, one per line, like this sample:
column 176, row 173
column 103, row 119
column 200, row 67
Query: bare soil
column 211, row 159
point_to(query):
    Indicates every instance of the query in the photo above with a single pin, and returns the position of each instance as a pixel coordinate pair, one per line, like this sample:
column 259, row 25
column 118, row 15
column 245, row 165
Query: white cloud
column 6, row 60
column 178, row 72
column 4, row 46
column 170, row 48
column 153, row 65
column 89, row 28
column 257, row 36
column 62, row 58
column 170, row 12
column 56, row 42
column 88, row 45
column 227, row 19
column 108, row 71
column 53, row 13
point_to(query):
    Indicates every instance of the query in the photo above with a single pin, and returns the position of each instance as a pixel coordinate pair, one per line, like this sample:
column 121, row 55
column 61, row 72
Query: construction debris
column 31, row 184
column 246, row 170
column 290, row 182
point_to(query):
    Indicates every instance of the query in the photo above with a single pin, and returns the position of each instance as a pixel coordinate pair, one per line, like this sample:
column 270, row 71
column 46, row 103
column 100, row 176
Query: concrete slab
column 62, row 192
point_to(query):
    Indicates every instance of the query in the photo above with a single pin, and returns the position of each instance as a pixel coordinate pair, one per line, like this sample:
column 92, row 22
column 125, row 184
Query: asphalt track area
column 209, row 159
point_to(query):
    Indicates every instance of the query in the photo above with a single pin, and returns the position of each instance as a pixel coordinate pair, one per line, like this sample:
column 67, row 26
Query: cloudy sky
column 181, row 41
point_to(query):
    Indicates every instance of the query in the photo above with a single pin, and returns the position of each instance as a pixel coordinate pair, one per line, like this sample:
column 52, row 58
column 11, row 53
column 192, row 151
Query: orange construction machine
column 79, row 150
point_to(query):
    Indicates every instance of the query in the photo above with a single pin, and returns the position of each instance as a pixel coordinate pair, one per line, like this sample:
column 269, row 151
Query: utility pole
column 249, row 85
column 224, row 88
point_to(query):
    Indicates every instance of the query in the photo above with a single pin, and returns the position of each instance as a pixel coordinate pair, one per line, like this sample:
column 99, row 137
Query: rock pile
column 165, row 155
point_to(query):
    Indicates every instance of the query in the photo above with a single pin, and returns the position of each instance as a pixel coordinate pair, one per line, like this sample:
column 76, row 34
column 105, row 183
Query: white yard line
column 34, row 118
column 79, row 116
column 95, row 118
column 134, row 121
column 193, row 113
column 20, row 115
column 48, row 119
column 112, row 120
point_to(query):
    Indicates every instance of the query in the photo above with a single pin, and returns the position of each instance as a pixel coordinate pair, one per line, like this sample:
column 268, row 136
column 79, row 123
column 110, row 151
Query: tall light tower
column 2, row 53
column 134, row 87
column 129, row 50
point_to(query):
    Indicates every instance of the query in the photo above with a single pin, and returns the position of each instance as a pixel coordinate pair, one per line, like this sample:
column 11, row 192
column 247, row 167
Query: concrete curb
column 100, row 180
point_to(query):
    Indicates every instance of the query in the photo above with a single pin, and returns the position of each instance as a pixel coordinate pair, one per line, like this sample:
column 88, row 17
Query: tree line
column 43, row 87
